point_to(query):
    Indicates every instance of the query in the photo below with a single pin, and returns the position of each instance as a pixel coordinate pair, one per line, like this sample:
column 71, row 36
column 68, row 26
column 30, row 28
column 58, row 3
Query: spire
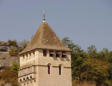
column 44, row 19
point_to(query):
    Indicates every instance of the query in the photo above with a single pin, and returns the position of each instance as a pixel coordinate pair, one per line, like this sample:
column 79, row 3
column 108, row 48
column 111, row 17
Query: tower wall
column 28, row 72
column 54, row 79
column 35, row 65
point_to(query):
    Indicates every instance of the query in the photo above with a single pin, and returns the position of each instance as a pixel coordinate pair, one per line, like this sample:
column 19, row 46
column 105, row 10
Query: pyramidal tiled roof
column 45, row 38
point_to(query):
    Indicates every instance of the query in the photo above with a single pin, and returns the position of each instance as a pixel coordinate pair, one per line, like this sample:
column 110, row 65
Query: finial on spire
column 44, row 19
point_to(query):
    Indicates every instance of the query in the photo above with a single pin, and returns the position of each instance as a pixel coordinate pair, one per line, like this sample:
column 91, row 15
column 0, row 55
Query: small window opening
column 30, row 54
column 23, row 56
column 51, row 53
column 27, row 55
column 20, row 80
column 57, row 54
column 24, row 79
column 60, row 70
column 33, row 52
column 63, row 54
column 27, row 78
column 44, row 52
column 30, row 77
column 49, row 69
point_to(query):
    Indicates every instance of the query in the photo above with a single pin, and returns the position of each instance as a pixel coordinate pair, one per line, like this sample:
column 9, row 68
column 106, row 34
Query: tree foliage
column 15, row 68
column 16, row 47
column 90, row 65
column 8, row 75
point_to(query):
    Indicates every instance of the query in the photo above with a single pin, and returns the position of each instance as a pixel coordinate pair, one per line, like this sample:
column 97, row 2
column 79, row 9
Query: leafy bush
column 90, row 65
column 9, row 76
column 15, row 68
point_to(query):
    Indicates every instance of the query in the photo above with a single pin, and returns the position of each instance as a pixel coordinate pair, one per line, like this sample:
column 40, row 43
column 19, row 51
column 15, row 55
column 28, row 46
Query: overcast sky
column 86, row 22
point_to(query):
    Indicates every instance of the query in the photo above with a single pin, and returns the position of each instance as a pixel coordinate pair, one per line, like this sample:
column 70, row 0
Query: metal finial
column 44, row 19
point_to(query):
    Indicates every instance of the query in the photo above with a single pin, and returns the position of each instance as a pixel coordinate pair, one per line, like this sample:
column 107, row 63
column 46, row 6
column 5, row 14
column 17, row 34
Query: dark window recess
column 31, row 77
column 27, row 55
column 51, row 53
column 44, row 52
column 60, row 70
column 27, row 78
column 20, row 80
column 48, row 69
column 63, row 54
column 23, row 78
column 33, row 52
column 57, row 54
column 30, row 54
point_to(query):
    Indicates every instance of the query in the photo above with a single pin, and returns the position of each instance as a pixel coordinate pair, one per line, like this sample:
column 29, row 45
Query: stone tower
column 45, row 61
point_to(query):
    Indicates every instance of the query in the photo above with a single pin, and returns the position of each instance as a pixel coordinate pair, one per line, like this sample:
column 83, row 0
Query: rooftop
column 45, row 38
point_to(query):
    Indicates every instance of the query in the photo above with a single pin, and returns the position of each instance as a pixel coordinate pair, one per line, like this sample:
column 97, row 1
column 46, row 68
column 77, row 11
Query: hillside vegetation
column 9, row 61
column 90, row 66
column 9, row 75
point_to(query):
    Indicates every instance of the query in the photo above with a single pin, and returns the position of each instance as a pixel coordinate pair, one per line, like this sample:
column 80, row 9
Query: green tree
column 9, row 76
column 92, row 51
column 15, row 68
column 91, row 65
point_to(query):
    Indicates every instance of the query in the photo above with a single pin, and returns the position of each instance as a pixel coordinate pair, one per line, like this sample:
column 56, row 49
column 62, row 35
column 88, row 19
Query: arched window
column 48, row 68
column 59, row 69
